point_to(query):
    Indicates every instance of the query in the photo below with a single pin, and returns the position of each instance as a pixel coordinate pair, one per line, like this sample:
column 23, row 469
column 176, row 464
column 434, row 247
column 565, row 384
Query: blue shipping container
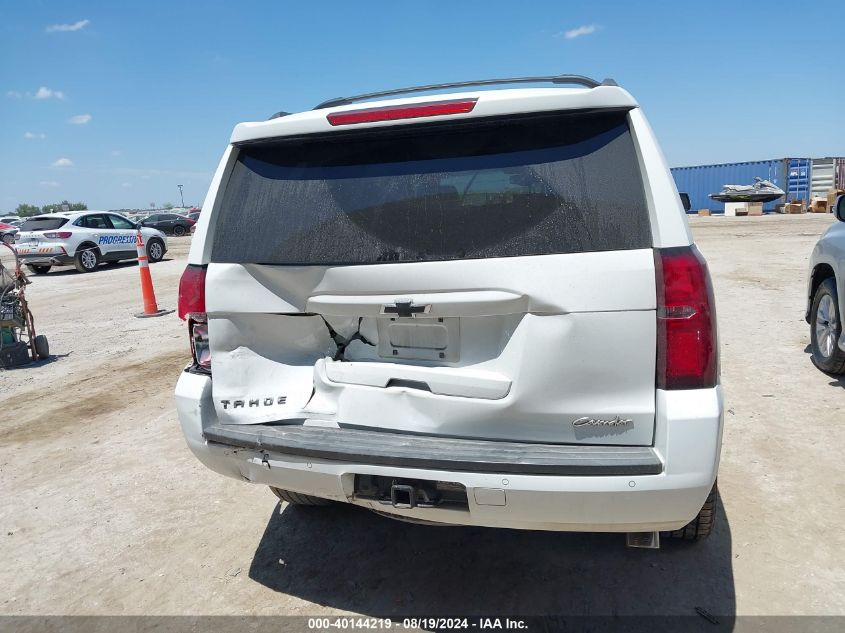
column 702, row 180
column 798, row 179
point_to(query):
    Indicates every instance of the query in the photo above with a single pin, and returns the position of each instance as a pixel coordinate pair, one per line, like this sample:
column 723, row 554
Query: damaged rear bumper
column 511, row 485
column 436, row 453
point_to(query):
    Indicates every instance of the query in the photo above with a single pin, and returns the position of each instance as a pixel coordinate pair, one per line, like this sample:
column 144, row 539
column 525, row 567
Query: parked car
column 481, row 308
column 8, row 232
column 83, row 239
column 194, row 215
column 170, row 223
column 826, row 296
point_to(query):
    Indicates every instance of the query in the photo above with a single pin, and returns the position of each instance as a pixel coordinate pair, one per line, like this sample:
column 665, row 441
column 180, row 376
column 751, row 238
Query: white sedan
column 83, row 239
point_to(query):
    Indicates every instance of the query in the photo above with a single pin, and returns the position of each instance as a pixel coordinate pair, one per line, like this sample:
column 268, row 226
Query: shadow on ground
column 836, row 381
column 52, row 358
column 347, row 558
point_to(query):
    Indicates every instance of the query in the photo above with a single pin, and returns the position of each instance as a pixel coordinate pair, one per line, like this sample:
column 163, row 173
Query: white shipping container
column 822, row 177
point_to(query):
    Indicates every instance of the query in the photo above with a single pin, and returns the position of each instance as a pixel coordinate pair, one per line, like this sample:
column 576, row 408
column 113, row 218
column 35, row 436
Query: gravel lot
column 105, row 511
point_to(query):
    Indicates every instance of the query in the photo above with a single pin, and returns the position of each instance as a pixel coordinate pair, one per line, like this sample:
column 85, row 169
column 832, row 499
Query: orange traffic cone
column 150, row 306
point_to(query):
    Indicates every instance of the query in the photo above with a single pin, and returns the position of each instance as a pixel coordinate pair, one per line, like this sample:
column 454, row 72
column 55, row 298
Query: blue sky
column 140, row 97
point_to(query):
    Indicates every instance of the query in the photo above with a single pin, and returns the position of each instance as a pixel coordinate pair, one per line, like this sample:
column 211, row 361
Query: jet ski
column 760, row 191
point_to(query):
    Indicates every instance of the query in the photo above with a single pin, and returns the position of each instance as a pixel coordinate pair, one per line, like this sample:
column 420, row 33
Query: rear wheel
column 299, row 499
column 826, row 328
column 702, row 525
column 155, row 250
column 178, row 230
column 86, row 260
column 42, row 347
column 39, row 269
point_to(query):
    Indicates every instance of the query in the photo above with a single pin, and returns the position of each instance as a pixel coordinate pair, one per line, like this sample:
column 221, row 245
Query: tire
column 42, row 347
column 87, row 259
column 826, row 328
column 702, row 525
column 155, row 250
column 39, row 269
column 178, row 230
column 299, row 499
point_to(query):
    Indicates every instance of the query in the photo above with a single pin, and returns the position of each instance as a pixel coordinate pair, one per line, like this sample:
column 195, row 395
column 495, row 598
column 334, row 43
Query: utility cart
column 19, row 344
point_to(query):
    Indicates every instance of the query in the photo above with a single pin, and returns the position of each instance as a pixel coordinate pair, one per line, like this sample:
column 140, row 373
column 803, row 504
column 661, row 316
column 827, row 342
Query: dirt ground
column 105, row 511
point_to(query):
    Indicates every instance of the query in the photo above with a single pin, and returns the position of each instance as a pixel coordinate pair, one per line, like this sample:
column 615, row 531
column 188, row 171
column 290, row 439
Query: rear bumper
column 46, row 260
column 436, row 453
column 619, row 490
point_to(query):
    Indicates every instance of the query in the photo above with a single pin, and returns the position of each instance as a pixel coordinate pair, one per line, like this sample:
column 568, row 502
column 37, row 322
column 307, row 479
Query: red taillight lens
column 192, row 291
column 60, row 234
column 192, row 308
column 411, row 111
column 687, row 344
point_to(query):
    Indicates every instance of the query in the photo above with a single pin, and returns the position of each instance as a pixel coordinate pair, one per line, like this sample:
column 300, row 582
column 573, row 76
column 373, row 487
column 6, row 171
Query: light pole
column 181, row 196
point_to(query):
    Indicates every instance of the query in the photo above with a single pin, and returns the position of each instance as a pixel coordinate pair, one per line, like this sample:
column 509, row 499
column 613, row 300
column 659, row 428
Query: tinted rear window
column 498, row 188
column 43, row 224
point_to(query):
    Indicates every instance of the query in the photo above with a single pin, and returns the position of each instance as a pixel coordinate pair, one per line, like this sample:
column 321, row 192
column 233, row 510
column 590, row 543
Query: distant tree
column 168, row 205
column 26, row 210
column 72, row 206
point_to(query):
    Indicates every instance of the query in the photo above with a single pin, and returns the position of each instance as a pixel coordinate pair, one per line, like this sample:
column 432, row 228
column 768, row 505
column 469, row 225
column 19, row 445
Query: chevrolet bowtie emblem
column 405, row 308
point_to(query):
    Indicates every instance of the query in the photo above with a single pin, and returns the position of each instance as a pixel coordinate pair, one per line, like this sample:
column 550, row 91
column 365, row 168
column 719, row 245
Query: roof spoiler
column 579, row 80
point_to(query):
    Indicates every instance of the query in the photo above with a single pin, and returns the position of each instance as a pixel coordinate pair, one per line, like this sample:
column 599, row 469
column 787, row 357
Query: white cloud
column 65, row 28
column 49, row 183
column 126, row 185
column 46, row 93
column 586, row 29
column 13, row 94
column 63, row 162
column 32, row 135
column 79, row 119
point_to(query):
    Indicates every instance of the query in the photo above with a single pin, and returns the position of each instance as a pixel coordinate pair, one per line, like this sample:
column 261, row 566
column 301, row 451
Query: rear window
column 43, row 224
column 495, row 188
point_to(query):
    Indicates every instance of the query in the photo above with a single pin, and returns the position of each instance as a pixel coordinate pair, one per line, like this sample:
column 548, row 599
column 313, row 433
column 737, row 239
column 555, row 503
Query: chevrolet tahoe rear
column 475, row 308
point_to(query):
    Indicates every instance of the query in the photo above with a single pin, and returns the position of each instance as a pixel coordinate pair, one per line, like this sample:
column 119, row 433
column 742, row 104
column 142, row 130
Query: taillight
column 60, row 234
column 410, row 111
column 192, row 291
column 192, row 308
column 687, row 344
column 200, row 349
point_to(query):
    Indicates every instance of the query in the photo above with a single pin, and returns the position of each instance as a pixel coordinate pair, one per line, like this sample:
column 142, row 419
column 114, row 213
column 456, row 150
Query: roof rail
column 555, row 79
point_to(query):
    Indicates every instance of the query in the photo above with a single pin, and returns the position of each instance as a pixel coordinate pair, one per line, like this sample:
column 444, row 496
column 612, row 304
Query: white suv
column 83, row 239
column 825, row 296
column 477, row 308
